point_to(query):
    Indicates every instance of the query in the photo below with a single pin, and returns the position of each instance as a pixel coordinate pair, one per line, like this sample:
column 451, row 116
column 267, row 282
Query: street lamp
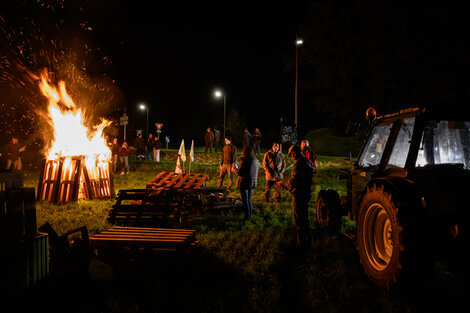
column 219, row 94
column 298, row 43
column 145, row 107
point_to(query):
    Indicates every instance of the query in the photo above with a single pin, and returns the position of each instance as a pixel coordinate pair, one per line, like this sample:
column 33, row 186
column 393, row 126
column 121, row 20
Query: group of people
column 274, row 165
column 122, row 151
column 153, row 146
column 252, row 139
column 13, row 154
column 212, row 140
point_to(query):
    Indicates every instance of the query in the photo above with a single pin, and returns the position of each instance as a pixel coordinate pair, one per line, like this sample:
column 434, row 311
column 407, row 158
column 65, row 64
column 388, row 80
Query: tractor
column 406, row 191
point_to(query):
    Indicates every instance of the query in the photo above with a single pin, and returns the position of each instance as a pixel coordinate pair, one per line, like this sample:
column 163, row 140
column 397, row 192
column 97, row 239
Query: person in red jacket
column 309, row 153
column 124, row 151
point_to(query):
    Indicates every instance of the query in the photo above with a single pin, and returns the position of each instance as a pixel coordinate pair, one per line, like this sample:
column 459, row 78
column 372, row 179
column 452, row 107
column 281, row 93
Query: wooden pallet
column 139, row 212
column 178, row 181
column 168, row 195
column 144, row 239
column 64, row 180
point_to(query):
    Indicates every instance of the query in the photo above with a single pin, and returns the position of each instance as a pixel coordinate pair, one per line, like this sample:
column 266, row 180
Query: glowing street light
column 219, row 94
column 145, row 107
column 298, row 43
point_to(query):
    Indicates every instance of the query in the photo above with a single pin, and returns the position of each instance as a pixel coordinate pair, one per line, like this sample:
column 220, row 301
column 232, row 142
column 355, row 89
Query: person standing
column 114, row 153
column 246, row 138
column 150, row 147
column 208, row 139
column 139, row 145
column 13, row 150
column 157, row 147
column 227, row 162
column 247, row 178
column 216, row 139
column 274, row 165
column 299, row 187
column 256, row 141
column 124, row 151
column 309, row 153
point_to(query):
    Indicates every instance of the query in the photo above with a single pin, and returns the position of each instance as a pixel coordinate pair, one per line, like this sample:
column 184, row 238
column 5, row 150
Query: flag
column 191, row 152
column 181, row 152
column 178, row 166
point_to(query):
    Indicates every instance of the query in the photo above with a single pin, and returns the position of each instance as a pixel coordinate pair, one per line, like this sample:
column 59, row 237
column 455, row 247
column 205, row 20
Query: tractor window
column 402, row 144
column 375, row 145
column 445, row 142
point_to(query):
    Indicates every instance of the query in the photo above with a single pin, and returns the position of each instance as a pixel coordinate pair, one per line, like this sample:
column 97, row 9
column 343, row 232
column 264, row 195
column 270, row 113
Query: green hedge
column 325, row 141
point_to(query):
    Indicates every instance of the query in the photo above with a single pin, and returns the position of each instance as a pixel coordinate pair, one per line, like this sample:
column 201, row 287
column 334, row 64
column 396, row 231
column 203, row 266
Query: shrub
column 326, row 141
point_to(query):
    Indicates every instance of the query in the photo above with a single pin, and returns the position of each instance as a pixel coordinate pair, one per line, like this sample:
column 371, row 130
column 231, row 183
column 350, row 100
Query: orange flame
column 71, row 136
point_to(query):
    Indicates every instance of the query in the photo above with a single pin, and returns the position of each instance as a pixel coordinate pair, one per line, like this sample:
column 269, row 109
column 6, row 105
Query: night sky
column 173, row 56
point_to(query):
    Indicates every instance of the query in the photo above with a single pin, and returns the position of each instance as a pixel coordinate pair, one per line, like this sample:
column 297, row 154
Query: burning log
column 68, row 179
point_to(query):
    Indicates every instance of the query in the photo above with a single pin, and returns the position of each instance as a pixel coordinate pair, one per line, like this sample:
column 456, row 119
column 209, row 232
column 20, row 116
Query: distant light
column 299, row 42
column 218, row 94
column 142, row 106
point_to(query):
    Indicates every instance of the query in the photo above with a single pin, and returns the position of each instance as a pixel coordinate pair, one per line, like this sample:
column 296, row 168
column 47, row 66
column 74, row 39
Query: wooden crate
column 25, row 264
column 17, row 215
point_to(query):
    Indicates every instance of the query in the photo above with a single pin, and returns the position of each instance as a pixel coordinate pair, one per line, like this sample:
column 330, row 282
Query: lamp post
column 146, row 107
column 219, row 94
column 298, row 43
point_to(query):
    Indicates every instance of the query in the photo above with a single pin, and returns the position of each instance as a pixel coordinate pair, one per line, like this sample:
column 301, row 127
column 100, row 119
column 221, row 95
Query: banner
column 191, row 152
column 181, row 152
column 178, row 166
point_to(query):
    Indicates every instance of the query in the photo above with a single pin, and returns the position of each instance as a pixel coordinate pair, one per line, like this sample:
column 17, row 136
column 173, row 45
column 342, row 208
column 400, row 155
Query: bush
column 326, row 141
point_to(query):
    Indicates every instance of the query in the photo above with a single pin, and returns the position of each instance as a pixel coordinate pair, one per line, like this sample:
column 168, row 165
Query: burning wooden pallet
column 68, row 179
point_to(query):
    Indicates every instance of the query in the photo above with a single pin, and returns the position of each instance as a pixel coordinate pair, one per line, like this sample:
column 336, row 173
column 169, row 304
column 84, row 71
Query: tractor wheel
column 379, row 235
column 328, row 209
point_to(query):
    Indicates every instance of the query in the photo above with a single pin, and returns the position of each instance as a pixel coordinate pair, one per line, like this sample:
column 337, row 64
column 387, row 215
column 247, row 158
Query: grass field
column 239, row 266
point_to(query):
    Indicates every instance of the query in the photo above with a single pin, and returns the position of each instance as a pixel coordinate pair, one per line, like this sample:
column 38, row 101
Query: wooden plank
column 189, row 184
column 182, row 181
column 163, row 181
column 156, row 178
column 173, row 181
column 201, row 181
column 115, row 228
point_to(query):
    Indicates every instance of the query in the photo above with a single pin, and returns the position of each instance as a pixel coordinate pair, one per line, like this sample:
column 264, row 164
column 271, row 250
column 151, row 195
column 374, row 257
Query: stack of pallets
column 169, row 195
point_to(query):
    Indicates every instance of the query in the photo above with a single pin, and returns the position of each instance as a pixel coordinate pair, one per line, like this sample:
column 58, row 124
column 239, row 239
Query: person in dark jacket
column 247, row 178
column 274, row 166
column 246, row 138
column 256, row 141
column 13, row 151
column 216, row 139
column 114, row 153
column 208, row 139
column 150, row 147
column 299, row 186
column 227, row 162
column 139, row 145
column 124, row 151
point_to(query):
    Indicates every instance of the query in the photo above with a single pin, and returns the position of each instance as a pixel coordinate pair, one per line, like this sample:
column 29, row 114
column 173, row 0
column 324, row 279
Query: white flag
column 191, row 152
column 181, row 152
column 178, row 166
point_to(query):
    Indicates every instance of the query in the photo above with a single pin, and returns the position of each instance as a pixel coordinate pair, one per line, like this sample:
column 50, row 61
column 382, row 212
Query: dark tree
column 385, row 54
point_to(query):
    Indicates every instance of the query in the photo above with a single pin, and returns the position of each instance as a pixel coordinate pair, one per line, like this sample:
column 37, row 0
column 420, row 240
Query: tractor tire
column 328, row 210
column 379, row 235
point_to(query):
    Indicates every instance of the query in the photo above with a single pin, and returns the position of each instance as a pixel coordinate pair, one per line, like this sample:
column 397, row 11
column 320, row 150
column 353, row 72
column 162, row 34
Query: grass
column 239, row 266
